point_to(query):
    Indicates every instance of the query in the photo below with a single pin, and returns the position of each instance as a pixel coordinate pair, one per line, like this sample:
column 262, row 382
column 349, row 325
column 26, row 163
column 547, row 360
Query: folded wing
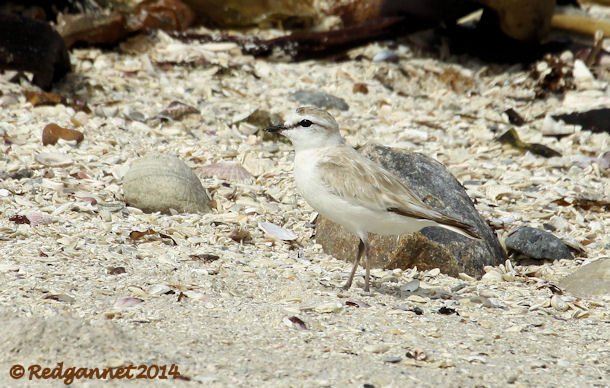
column 359, row 180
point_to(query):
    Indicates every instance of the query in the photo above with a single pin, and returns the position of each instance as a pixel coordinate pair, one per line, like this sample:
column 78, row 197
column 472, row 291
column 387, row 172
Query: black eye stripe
column 305, row 123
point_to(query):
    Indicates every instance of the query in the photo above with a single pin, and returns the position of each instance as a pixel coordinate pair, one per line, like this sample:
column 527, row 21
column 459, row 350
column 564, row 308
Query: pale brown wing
column 359, row 180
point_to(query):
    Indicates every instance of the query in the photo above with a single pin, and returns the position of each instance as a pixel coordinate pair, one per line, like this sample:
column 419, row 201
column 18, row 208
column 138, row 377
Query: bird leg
column 361, row 248
column 368, row 267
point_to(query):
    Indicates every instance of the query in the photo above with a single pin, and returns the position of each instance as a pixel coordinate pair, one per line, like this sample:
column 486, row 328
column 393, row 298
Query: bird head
column 309, row 127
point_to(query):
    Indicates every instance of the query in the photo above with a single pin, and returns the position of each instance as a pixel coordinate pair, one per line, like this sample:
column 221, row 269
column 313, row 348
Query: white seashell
column 411, row 286
column 433, row 272
column 229, row 171
column 127, row 302
column 385, row 56
column 159, row 289
column 376, row 348
column 559, row 304
column 552, row 127
column 53, row 159
column 493, row 277
column 417, row 299
column 163, row 182
column 498, row 191
column 329, row 307
column 277, row 232
column 257, row 166
column 581, row 72
column 36, row 218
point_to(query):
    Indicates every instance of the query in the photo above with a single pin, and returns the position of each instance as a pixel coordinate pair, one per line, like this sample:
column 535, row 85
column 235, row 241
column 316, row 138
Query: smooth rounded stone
column 385, row 56
column 589, row 280
column 319, row 99
column 163, row 182
column 392, row 359
column 432, row 247
column 537, row 244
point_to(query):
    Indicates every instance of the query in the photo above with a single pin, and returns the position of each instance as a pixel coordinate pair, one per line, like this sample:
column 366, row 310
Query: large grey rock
column 432, row 247
column 537, row 244
column 163, row 182
column 590, row 280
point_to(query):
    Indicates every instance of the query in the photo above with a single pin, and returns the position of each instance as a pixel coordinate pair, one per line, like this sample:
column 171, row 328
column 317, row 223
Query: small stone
column 537, row 244
column 589, row 280
column 417, row 299
column 376, row 348
column 319, row 99
column 392, row 359
column 385, row 56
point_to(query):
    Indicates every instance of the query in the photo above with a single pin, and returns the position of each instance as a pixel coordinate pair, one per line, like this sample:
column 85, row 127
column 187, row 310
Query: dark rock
column 32, row 46
column 319, row 99
column 432, row 247
column 591, row 279
column 537, row 244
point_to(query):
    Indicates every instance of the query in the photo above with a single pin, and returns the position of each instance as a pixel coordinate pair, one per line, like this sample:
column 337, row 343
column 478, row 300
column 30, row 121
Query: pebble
column 386, row 56
column 537, row 244
column 319, row 99
column 392, row 359
column 376, row 348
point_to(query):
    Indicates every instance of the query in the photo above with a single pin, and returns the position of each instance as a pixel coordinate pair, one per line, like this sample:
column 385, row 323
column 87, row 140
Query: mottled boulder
column 590, row 280
column 432, row 247
column 537, row 244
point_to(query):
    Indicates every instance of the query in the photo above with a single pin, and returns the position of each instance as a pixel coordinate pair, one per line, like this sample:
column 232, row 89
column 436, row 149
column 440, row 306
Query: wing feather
column 359, row 180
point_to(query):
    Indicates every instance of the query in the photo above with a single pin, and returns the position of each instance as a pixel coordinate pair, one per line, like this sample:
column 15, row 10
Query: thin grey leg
column 361, row 246
column 368, row 267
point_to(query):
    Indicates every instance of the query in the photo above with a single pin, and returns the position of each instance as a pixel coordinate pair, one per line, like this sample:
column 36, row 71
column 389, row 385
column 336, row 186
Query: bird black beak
column 275, row 128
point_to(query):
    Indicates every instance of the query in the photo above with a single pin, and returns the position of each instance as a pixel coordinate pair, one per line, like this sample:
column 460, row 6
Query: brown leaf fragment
column 176, row 111
column 297, row 323
column 152, row 235
column 136, row 235
column 585, row 203
column 514, row 117
column 60, row 298
column 511, row 137
column 53, row 132
column 357, row 303
column 205, row 257
column 91, row 28
column 80, row 175
column 456, row 80
column 417, row 355
column 38, row 98
column 115, row 270
column 360, row 87
column 555, row 289
column 168, row 15
column 240, row 235
column 19, row 219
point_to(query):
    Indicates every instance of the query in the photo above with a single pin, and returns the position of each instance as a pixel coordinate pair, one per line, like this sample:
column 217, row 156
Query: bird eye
column 305, row 123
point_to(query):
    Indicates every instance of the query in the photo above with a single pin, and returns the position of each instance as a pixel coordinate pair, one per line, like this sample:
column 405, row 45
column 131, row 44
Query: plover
column 353, row 191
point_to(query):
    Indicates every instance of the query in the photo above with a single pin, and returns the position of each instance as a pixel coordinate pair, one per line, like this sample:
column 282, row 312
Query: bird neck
column 319, row 142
